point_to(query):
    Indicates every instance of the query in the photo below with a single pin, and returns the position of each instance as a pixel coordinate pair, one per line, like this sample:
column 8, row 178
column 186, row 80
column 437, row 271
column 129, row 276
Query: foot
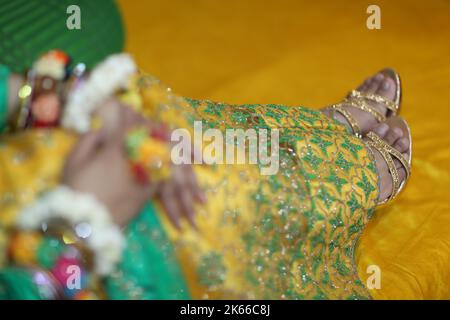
column 379, row 84
column 397, row 138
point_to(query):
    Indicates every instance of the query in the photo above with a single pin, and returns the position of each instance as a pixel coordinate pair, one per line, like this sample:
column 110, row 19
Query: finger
column 186, row 200
column 132, row 118
column 198, row 193
column 183, row 194
column 169, row 204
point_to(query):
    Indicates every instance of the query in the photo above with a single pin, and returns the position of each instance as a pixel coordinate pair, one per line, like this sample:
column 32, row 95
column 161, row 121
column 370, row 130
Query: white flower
column 109, row 76
column 106, row 240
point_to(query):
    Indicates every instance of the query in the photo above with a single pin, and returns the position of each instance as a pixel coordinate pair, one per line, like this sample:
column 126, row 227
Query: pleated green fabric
column 16, row 284
column 29, row 28
column 149, row 267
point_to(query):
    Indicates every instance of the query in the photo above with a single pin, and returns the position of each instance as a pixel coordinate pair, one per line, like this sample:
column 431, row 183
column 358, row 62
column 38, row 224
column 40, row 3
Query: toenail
column 386, row 85
column 398, row 132
column 403, row 143
column 382, row 129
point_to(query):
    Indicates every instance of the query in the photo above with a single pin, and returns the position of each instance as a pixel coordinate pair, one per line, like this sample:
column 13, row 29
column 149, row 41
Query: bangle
column 41, row 97
column 43, row 101
column 88, row 217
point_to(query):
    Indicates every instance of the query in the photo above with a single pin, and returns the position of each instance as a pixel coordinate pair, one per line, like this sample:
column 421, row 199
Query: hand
column 179, row 193
column 98, row 165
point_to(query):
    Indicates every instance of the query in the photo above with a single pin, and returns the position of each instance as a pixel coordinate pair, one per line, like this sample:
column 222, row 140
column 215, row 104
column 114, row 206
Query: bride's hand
column 98, row 165
column 181, row 191
column 179, row 194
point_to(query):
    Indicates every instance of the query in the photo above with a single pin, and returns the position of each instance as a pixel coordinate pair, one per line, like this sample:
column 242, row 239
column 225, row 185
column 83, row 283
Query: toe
column 397, row 135
column 363, row 86
column 393, row 135
column 401, row 173
column 381, row 130
column 401, row 145
column 387, row 88
column 398, row 164
column 405, row 155
column 375, row 83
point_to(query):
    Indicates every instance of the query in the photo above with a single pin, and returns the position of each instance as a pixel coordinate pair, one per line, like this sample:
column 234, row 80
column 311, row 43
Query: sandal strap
column 389, row 153
column 363, row 105
column 353, row 124
column 391, row 105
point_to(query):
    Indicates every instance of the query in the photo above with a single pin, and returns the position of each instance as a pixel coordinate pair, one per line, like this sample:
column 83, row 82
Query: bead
column 70, row 274
column 83, row 230
column 24, row 92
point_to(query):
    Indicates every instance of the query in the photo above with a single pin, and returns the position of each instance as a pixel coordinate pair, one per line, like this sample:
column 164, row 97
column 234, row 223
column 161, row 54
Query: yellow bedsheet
column 311, row 53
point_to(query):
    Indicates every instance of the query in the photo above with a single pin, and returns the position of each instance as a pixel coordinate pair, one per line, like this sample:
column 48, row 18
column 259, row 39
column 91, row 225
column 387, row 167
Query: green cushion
column 29, row 28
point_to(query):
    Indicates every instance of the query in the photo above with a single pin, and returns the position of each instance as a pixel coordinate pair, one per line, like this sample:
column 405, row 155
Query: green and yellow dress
column 285, row 236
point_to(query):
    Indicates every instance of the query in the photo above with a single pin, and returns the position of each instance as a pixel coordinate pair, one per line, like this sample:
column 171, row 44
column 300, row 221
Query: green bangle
column 4, row 77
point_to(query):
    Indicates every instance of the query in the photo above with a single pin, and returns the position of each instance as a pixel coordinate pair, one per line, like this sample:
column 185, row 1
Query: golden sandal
column 360, row 101
column 389, row 153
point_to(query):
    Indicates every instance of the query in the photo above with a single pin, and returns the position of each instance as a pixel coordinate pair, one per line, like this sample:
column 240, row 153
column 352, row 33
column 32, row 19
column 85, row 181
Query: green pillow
column 29, row 28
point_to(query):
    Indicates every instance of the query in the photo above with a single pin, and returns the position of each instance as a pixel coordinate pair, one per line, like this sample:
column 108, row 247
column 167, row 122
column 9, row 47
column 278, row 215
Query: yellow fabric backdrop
column 311, row 53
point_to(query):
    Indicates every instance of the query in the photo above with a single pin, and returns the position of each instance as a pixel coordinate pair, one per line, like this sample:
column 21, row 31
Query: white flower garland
column 105, row 240
column 107, row 77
